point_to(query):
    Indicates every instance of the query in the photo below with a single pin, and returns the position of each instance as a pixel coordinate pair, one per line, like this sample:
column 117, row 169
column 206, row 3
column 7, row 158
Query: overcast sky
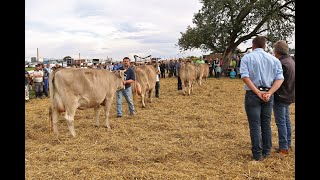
column 107, row 28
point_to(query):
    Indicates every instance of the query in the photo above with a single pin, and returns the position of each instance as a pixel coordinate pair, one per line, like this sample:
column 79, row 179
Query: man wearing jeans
column 284, row 96
column 261, row 73
column 127, row 92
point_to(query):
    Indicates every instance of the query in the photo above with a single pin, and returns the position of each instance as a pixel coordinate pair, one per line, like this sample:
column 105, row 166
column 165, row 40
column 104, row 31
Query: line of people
column 39, row 80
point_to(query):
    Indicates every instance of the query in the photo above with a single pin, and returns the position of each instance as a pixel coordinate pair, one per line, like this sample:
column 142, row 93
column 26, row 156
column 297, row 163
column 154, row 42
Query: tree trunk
column 227, row 55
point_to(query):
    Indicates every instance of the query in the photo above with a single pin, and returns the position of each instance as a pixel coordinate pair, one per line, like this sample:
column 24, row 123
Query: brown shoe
column 284, row 151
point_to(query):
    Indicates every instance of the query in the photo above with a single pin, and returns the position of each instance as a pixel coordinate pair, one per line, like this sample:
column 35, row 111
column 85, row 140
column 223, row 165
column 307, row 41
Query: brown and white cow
column 73, row 88
column 187, row 76
column 145, row 82
column 202, row 72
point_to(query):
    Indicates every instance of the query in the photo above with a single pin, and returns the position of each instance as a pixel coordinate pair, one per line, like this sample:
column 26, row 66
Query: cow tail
column 134, row 88
column 187, row 73
column 51, row 91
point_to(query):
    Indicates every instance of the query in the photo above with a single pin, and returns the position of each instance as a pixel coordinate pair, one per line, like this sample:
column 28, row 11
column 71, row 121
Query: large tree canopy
column 222, row 25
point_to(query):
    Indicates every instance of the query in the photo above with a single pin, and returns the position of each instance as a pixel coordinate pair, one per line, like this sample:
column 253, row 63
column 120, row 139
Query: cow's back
column 205, row 68
column 145, row 82
column 187, row 72
column 202, row 70
column 88, row 87
column 150, row 73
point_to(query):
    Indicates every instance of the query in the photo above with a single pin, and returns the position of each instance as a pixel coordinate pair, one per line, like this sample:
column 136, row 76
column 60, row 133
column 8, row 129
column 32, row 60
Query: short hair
column 259, row 42
column 281, row 47
column 126, row 58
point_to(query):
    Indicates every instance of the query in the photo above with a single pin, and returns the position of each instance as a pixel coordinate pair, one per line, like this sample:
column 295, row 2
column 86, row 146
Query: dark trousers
column 179, row 83
column 163, row 74
column 215, row 73
column 38, row 88
column 210, row 71
column 46, row 87
column 259, row 117
column 157, row 88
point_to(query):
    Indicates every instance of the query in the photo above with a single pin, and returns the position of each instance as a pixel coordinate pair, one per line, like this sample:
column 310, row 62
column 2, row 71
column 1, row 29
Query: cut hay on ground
column 202, row 136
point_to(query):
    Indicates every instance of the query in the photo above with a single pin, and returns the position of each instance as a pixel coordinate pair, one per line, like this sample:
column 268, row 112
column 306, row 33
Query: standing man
column 284, row 96
column 156, row 66
column 163, row 69
column 178, row 65
column 216, row 62
column 38, row 81
column 127, row 92
column 46, row 72
column 261, row 73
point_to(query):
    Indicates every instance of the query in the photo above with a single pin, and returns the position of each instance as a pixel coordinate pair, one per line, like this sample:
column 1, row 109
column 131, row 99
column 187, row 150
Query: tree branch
column 245, row 11
column 285, row 4
column 262, row 31
column 289, row 8
column 245, row 50
column 286, row 16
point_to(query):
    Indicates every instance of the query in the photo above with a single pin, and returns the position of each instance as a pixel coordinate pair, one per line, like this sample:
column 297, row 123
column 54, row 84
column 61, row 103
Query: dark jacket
column 286, row 92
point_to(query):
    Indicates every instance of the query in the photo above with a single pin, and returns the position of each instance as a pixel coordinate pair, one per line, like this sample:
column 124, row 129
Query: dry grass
column 202, row 136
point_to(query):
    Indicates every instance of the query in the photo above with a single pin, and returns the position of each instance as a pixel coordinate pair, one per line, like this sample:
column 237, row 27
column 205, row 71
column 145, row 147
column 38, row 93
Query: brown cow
column 202, row 71
column 73, row 88
column 145, row 82
column 187, row 76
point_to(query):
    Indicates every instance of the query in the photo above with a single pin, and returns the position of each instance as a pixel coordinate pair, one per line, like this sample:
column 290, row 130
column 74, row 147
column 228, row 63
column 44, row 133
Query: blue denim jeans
column 259, row 117
column 282, row 117
column 127, row 93
column 46, row 87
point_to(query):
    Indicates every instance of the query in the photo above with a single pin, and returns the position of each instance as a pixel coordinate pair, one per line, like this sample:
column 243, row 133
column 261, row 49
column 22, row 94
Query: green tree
column 222, row 25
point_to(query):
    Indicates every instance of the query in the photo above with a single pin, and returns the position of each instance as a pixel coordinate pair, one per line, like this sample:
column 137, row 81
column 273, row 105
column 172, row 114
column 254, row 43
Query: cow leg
column 69, row 116
column 97, row 113
column 142, row 100
column 54, row 116
column 184, row 88
column 189, row 89
column 143, row 97
column 192, row 84
column 150, row 95
column 107, row 107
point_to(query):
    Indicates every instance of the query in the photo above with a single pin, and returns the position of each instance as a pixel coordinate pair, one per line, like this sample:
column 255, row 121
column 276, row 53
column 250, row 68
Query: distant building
column 78, row 62
column 96, row 61
column 213, row 56
column 69, row 60
column 45, row 60
column 33, row 59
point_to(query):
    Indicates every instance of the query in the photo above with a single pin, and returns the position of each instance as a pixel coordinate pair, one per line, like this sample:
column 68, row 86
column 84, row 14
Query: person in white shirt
column 38, row 81
column 157, row 80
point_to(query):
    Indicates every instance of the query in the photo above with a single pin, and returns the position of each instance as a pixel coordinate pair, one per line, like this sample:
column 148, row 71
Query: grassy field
column 202, row 136
column 29, row 68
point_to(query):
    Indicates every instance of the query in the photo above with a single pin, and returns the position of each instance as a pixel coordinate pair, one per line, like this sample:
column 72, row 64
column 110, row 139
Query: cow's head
column 120, row 74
